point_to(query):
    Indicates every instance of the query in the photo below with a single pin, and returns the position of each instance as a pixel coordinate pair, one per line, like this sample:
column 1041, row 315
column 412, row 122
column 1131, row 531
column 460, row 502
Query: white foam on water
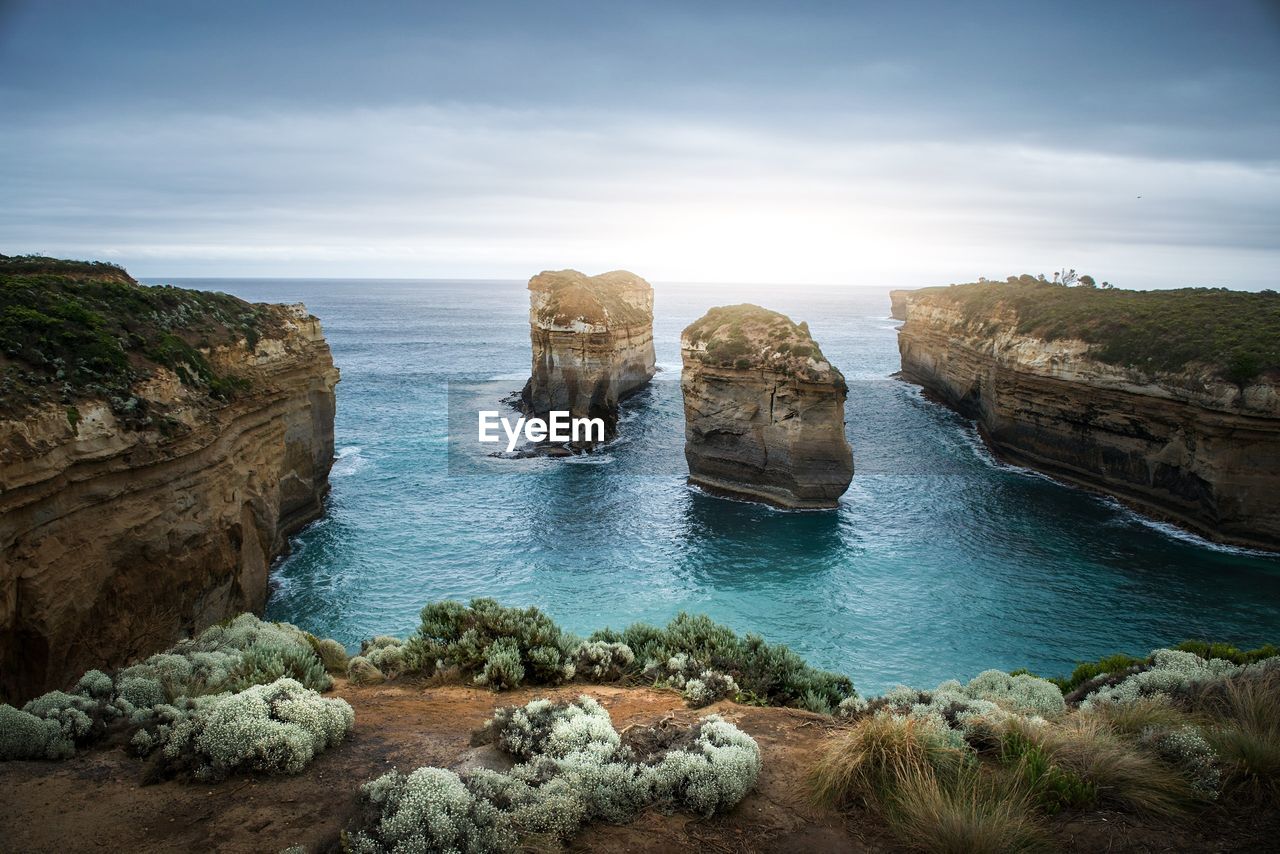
column 347, row 461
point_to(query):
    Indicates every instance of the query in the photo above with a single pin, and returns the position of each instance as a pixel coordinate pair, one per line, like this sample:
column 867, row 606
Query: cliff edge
column 157, row 447
column 764, row 410
column 1167, row 400
column 592, row 340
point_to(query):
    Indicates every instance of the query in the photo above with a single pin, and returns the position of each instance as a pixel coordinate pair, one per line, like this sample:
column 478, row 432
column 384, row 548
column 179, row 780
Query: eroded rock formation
column 898, row 301
column 592, row 340
column 764, row 410
column 1189, row 447
column 128, row 522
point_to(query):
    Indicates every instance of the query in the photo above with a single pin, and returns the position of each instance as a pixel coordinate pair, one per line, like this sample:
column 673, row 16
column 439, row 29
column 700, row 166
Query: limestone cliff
column 764, row 410
column 898, row 304
column 1185, row 445
column 145, row 496
column 592, row 340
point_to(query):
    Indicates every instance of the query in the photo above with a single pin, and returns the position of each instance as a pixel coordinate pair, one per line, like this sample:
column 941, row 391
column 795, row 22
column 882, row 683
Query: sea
column 940, row 561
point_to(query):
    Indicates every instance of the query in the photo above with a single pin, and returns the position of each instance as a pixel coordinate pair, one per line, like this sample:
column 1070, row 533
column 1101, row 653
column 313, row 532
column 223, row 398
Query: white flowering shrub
column 714, row 774
column 277, row 728
column 228, row 656
column 25, row 736
column 428, row 810
column 970, row 715
column 851, row 707
column 574, row 768
column 709, row 687
column 94, row 684
column 1186, row 748
column 603, row 661
column 1023, row 693
column 1171, row 671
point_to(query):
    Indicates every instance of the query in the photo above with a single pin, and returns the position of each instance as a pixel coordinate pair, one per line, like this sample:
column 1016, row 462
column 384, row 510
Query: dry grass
column 1131, row 719
column 1087, row 746
column 975, row 813
column 868, row 762
column 1247, row 736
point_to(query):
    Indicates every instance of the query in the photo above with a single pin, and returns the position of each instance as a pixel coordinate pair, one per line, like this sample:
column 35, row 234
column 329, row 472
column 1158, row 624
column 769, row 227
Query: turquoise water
column 939, row 562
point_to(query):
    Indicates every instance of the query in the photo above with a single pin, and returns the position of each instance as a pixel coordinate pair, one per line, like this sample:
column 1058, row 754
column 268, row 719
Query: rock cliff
column 764, row 410
column 898, row 304
column 144, row 495
column 592, row 340
column 1185, row 445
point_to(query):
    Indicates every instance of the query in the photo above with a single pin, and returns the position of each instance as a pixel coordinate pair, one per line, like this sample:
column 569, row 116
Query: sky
column 897, row 144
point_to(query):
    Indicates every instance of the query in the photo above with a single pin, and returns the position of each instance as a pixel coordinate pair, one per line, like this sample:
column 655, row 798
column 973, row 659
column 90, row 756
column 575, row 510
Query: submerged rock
column 764, row 410
column 592, row 340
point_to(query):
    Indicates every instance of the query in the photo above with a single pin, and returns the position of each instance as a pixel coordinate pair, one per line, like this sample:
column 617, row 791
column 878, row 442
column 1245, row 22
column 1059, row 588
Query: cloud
column 465, row 190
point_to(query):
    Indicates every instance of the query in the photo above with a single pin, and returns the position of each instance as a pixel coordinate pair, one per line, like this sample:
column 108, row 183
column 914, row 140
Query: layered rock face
column 120, row 533
column 764, row 410
column 1187, row 447
column 592, row 342
column 898, row 301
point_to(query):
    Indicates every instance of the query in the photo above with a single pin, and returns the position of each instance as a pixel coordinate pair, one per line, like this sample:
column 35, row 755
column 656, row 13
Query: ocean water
column 939, row 563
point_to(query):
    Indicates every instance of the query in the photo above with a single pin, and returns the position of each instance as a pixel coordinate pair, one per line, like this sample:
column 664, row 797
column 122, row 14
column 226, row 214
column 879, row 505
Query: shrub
column 972, row 713
column 574, row 768
column 331, row 653
column 772, row 674
column 1022, row 693
column 163, row 691
column 1246, row 730
column 361, row 671
column 1185, row 748
column 502, row 667
column 1227, row 652
column 1052, row 786
column 600, row 661
column 1121, row 773
column 277, row 729
column 1164, row 330
column 709, row 687
column 73, row 330
column 530, row 646
column 428, row 810
column 25, row 736
column 1170, row 672
column 95, row 684
column 389, row 655
column 231, row 656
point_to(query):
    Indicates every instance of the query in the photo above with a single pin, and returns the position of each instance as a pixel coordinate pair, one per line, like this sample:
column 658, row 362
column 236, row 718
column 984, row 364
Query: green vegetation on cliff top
column 79, row 330
column 1236, row 332
column 747, row 335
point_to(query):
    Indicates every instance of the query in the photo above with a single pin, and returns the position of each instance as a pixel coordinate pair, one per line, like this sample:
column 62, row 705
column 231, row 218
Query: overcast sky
column 892, row 143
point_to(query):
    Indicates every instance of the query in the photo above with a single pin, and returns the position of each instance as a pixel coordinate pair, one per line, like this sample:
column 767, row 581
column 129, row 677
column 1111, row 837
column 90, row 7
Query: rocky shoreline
column 1189, row 447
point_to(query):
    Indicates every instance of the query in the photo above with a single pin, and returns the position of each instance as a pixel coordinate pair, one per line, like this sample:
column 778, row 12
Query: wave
column 347, row 461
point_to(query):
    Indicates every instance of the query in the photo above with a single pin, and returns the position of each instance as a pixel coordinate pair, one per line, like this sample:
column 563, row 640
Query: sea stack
column 763, row 410
column 592, row 340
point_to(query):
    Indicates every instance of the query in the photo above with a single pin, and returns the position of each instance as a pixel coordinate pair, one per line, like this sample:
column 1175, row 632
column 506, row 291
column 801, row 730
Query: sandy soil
column 96, row 802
